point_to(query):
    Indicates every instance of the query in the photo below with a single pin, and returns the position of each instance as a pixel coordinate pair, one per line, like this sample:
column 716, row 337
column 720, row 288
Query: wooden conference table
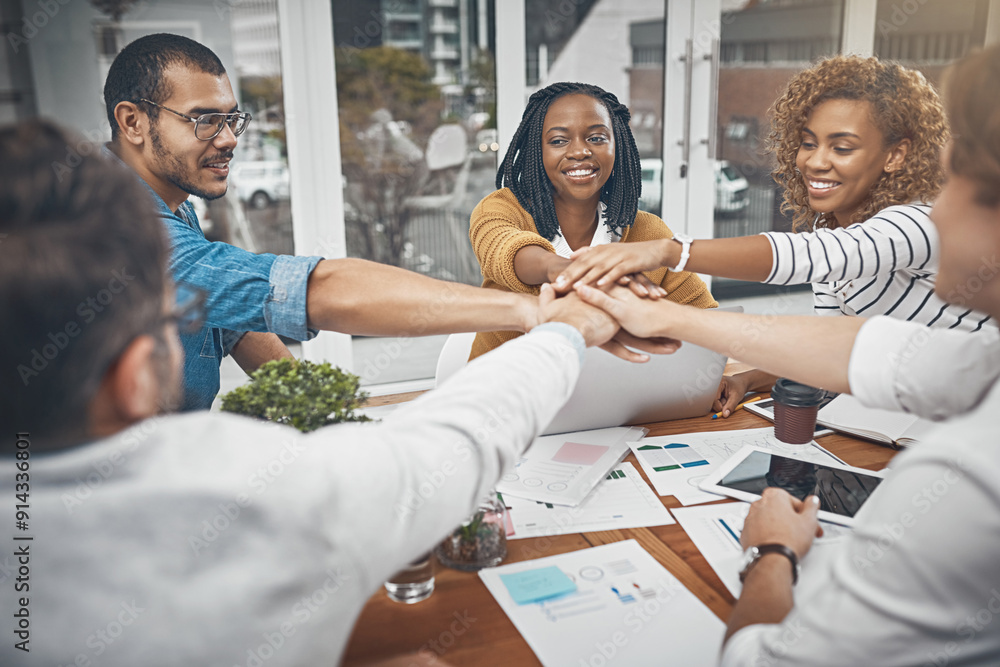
column 394, row 634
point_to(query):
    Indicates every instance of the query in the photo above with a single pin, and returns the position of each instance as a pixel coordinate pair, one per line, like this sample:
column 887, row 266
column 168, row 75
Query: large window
column 416, row 107
column 416, row 92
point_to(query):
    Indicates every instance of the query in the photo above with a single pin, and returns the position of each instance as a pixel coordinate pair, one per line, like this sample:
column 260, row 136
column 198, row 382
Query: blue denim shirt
column 245, row 292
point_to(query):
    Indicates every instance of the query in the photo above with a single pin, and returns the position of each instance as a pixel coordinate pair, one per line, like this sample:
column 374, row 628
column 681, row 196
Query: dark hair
column 523, row 172
column 82, row 273
column 971, row 96
column 137, row 71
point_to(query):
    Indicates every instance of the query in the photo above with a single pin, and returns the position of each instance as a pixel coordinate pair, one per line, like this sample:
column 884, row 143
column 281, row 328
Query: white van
column 261, row 183
column 731, row 189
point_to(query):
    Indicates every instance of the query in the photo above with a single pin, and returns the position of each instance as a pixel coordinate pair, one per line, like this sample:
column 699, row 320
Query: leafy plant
column 302, row 394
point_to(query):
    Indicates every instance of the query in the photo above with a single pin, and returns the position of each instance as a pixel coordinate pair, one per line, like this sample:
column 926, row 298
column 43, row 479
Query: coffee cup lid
column 796, row 394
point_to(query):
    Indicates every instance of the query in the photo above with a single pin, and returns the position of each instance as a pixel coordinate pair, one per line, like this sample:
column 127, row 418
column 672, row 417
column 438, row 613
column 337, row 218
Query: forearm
column 812, row 350
column 767, row 595
column 741, row 258
column 535, row 265
column 360, row 297
column 256, row 348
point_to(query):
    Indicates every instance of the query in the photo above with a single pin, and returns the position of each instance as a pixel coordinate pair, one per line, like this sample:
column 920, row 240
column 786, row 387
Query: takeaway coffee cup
column 795, row 409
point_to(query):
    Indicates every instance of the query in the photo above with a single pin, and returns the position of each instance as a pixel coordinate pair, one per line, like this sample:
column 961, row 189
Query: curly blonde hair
column 904, row 106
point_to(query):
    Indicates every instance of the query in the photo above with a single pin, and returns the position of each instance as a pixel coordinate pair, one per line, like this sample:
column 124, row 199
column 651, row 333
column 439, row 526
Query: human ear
column 131, row 123
column 133, row 386
column 897, row 156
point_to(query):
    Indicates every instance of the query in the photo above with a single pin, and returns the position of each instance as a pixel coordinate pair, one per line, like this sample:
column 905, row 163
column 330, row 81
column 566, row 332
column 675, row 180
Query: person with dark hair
column 175, row 122
column 915, row 582
column 570, row 179
column 208, row 538
column 857, row 143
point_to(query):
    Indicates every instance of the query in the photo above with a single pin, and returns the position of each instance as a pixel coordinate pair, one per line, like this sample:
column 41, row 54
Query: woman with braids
column 857, row 143
column 570, row 180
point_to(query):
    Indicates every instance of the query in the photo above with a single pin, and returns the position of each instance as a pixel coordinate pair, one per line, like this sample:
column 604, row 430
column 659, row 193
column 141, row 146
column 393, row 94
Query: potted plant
column 302, row 394
column 481, row 541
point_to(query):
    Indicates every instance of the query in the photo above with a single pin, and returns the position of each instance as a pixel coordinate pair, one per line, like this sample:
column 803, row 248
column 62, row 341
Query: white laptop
column 615, row 392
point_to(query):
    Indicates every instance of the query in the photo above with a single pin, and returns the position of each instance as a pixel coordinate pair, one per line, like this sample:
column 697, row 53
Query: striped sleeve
column 899, row 237
column 824, row 301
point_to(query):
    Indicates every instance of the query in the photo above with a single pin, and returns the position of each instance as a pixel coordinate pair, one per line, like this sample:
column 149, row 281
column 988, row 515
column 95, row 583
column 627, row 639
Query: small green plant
column 302, row 394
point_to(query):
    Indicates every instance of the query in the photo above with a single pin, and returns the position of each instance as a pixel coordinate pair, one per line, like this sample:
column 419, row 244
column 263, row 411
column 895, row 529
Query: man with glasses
column 207, row 538
column 175, row 121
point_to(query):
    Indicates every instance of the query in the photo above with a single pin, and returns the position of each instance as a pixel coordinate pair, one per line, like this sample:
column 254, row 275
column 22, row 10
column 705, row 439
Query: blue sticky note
column 536, row 585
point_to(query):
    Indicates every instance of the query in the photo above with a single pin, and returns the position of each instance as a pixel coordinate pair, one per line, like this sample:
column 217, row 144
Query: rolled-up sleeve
column 245, row 291
column 933, row 373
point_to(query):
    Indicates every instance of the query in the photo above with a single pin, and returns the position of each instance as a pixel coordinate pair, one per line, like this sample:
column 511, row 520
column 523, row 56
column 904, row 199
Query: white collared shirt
column 603, row 236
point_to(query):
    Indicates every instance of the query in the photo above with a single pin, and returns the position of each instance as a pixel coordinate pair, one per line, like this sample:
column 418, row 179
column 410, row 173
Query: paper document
column 622, row 500
column 897, row 429
column 716, row 530
column 562, row 469
column 676, row 464
column 627, row 610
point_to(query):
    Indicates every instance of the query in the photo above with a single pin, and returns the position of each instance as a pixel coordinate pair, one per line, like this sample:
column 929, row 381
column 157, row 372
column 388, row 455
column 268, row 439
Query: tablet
column 842, row 490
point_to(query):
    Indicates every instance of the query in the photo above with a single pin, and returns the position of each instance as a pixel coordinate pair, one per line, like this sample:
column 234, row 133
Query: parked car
column 261, row 183
column 731, row 189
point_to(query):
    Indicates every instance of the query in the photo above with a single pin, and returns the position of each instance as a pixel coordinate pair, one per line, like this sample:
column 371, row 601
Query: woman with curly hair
column 570, row 179
column 857, row 143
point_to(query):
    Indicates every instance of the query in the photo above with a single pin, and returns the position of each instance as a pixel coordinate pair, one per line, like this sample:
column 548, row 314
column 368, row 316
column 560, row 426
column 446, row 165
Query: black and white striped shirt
column 885, row 265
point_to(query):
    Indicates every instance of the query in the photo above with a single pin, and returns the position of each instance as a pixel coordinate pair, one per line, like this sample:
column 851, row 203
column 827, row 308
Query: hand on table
column 732, row 389
column 780, row 518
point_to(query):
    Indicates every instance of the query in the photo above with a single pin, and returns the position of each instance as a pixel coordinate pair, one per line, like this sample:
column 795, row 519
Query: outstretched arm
column 741, row 258
column 255, row 348
column 360, row 297
column 812, row 350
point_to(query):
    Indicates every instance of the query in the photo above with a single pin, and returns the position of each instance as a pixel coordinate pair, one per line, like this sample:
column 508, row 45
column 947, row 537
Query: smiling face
column 842, row 156
column 179, row 163
column 578, row 149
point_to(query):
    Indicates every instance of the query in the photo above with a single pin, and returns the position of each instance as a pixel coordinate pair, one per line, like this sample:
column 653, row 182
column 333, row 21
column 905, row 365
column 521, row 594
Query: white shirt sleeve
column 915, row 583
column 438, row 455
column 898, row 237
column 933, row 373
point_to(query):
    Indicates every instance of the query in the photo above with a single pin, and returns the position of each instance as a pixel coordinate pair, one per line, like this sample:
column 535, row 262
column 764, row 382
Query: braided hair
column 523, row 172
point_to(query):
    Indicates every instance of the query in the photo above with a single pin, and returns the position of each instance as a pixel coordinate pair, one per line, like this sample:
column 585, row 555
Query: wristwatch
column 753, row 554
column 685, row 242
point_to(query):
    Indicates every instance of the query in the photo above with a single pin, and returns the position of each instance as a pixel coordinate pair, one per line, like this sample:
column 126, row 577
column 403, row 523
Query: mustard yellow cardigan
column 499, row 227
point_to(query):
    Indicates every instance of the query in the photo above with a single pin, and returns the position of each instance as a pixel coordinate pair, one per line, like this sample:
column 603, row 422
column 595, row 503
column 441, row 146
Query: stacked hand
column 600, row 326
column 620, row 263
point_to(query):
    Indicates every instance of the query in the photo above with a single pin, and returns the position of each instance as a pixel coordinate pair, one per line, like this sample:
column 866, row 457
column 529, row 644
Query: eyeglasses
column 208, row 125
column 188, row 312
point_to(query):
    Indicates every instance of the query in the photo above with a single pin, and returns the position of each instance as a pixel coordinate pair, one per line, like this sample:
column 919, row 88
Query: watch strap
column 685, row 242
column 765, row 549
